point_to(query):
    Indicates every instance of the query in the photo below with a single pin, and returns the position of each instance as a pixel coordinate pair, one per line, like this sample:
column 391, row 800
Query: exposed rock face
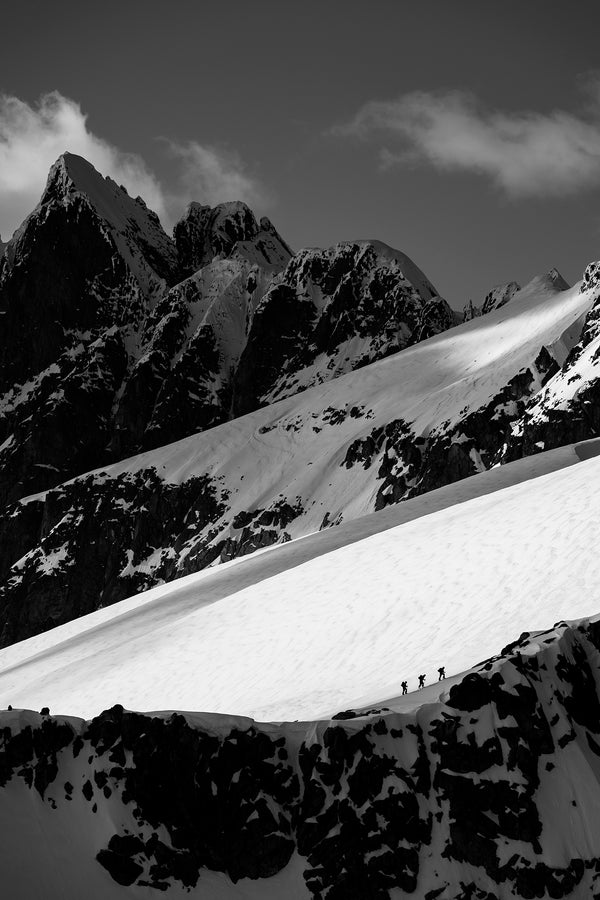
column 470, row 311
column 568, row 408
column 76, row 282
column 333, row 311
column 99, row 539
column 499, row 296
column 488, row 793
column 496, row 298
column 207, row 232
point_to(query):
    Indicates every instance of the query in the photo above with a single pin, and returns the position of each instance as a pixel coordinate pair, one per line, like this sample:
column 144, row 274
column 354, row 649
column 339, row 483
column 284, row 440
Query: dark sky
column 269, row 79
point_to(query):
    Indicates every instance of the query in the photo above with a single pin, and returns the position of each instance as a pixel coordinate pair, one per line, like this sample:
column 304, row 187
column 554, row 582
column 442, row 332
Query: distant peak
column 211, row 232
column 551, row 280
column 67, row 172
column 557, row 279
column 72, row 173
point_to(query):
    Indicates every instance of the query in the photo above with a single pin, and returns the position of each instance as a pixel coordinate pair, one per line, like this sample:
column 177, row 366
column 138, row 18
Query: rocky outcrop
column 490, row 792
column 205, row 233
column 496, row 298
column 101, row 543
column 568, row 407
column 331, row 312
column 499, row 296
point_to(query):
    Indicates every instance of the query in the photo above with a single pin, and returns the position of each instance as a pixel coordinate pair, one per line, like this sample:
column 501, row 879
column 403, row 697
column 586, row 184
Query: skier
column 442, row 671
column 421, row 681
column 404, row 688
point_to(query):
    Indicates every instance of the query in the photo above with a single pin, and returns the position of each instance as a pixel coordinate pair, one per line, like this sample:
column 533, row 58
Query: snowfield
column 338, row 619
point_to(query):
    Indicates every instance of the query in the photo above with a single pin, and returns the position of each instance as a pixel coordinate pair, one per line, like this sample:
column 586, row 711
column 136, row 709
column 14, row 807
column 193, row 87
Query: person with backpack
column 442, row 672
column 421, row 681
column 404, row 688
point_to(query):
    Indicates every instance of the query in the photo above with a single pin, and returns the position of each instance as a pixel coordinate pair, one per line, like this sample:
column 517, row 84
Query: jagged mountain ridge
column 502, row 294
column 108, row 349
column 426, row 416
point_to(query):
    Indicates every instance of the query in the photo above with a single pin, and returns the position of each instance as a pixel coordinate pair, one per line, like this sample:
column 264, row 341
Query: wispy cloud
column 32, row 137
column 213, row 175
column 524, row 153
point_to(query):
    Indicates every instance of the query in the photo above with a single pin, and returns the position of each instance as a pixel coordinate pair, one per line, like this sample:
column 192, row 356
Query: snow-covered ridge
column 488, row 787
column 502, row 294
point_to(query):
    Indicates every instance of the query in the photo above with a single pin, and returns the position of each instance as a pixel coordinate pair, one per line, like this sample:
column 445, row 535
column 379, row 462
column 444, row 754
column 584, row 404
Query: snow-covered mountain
column 117, row 338
column 204, row 442
column 484, row 785
column 411, row 422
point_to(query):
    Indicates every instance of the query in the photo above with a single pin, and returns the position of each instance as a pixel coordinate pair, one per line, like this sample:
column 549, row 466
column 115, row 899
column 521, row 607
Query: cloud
column 524, row 153
column 33, row 137
column 213, row 175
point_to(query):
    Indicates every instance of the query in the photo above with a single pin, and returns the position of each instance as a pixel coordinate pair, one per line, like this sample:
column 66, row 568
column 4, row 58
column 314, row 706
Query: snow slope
column 445, row 579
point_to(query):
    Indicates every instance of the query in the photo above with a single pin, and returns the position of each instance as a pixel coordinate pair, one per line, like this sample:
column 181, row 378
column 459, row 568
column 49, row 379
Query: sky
column 466, row 134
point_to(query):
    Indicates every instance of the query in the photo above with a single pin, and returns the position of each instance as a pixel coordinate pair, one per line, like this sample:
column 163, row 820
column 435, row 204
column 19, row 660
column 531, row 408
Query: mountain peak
column 551, row 281
column 557, row 280
column 205, row 233
column 72, row 178
column 73, row 173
